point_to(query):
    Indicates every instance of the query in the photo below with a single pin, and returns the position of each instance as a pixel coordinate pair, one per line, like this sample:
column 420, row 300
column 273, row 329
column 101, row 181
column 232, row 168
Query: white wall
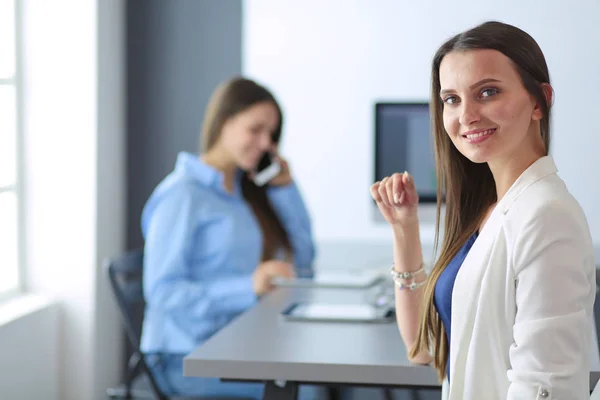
column 329, row 61
column 36, row 375
column 59, row 71
column 74, row 182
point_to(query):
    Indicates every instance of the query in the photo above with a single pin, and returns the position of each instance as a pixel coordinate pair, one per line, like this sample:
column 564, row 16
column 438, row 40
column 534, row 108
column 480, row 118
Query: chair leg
column 414, row 394
column 133, row 370
column 334, row 393
column 120, row 393
column 389, row 395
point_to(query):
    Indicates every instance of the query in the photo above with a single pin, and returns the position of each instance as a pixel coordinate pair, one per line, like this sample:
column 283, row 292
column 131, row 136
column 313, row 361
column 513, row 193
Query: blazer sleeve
column 555, row 290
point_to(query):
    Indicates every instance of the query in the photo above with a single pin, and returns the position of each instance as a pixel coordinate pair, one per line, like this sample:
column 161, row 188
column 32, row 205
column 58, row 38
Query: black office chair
column 125, row 275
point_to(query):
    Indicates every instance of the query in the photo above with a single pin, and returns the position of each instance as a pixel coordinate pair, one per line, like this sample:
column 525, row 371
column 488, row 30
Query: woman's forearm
column 408, row 257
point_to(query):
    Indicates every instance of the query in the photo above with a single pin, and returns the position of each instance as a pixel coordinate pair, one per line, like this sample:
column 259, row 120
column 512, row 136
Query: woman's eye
column 489, row 92
column 450, row 100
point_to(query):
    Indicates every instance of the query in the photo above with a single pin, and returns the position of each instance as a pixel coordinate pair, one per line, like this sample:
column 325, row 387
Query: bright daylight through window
column 9, row 185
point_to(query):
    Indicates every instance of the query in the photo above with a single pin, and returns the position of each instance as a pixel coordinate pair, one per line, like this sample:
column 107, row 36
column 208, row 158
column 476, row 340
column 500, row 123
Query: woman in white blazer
column 506, row 311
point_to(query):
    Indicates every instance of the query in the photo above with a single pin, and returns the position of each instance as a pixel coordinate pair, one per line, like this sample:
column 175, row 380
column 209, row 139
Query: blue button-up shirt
column 202, row 245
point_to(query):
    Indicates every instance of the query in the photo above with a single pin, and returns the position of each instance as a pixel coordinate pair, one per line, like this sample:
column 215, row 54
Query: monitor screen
column 403, row 142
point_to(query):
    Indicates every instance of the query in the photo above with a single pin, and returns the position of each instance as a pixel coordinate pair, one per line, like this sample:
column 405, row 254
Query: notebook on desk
column 335, row 279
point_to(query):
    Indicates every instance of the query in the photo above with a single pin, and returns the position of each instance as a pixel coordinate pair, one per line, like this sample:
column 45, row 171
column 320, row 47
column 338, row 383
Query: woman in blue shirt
column 214, row 240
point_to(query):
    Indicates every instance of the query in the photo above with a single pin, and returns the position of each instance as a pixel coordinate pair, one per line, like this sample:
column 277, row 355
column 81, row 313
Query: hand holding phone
column 272, row 169
column 268, row 168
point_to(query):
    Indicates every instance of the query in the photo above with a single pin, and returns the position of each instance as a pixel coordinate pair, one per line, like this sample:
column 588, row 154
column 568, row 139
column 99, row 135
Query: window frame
column 18, row 186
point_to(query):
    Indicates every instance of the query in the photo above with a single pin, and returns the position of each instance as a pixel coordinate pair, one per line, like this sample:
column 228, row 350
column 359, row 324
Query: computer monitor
column 403, row 142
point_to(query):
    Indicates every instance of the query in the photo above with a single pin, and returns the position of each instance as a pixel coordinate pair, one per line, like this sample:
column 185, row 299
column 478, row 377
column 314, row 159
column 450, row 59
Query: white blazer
column 522, row 303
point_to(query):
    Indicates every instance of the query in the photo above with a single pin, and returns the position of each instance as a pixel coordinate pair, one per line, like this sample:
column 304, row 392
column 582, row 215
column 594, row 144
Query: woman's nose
column 470, row 113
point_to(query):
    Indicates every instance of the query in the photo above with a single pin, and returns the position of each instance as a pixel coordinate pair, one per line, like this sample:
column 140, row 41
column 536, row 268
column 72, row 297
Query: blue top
column 202, row 245
column 442, row 296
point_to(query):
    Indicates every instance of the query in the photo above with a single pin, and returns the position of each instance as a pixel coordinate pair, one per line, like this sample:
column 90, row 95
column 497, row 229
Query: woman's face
column 249, row 134
column 488, row 113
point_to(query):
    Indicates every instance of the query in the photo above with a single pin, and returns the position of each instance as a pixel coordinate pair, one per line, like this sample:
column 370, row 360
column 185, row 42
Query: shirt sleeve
column 555, row 290
column 288, row 205
column 168, row 284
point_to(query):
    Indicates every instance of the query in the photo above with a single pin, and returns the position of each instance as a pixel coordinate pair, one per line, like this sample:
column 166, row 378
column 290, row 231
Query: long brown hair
column 229, row 99
column 469, row 188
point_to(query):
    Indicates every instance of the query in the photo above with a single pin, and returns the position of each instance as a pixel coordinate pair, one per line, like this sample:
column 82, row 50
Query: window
column 9, row 154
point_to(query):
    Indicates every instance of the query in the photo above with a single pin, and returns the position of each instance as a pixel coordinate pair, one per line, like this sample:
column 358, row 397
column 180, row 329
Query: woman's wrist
column 407, row 230
column 406, row 268
column 408, row 255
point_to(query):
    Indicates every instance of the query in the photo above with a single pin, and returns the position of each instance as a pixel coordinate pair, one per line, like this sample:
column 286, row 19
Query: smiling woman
column 491, row 119
column 507, row 309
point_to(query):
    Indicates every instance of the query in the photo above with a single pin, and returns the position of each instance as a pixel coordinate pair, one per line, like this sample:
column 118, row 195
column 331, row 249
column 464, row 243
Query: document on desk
column 335, row 279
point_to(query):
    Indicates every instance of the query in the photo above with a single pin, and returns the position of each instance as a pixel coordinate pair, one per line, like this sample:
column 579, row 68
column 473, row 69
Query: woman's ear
column 549, row 96
column 548, row 93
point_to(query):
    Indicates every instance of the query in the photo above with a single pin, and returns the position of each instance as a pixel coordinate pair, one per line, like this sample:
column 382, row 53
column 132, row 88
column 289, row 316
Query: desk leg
column 334, row 393
column 273, row 391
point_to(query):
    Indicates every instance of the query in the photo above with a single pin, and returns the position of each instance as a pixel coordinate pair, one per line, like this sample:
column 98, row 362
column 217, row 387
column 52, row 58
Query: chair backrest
column 126, row 276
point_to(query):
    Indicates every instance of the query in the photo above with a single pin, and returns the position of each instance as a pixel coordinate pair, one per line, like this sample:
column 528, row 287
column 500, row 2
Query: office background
column 115, row 89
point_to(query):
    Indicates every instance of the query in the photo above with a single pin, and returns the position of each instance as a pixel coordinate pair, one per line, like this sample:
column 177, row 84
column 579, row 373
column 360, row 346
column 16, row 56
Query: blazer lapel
column 465, row 295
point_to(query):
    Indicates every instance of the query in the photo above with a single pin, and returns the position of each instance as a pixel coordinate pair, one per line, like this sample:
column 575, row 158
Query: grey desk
column 260, row 345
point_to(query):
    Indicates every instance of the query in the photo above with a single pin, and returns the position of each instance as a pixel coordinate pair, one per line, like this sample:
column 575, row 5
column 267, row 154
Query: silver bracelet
column 411, row 286
column 406, row 275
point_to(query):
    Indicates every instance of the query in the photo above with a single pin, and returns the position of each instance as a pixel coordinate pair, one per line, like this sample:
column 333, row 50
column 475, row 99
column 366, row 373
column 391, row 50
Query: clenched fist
column 397, row 199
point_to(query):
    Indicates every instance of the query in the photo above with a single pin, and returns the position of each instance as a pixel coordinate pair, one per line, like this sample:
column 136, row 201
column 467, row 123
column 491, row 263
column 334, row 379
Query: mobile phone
column 267, row 169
